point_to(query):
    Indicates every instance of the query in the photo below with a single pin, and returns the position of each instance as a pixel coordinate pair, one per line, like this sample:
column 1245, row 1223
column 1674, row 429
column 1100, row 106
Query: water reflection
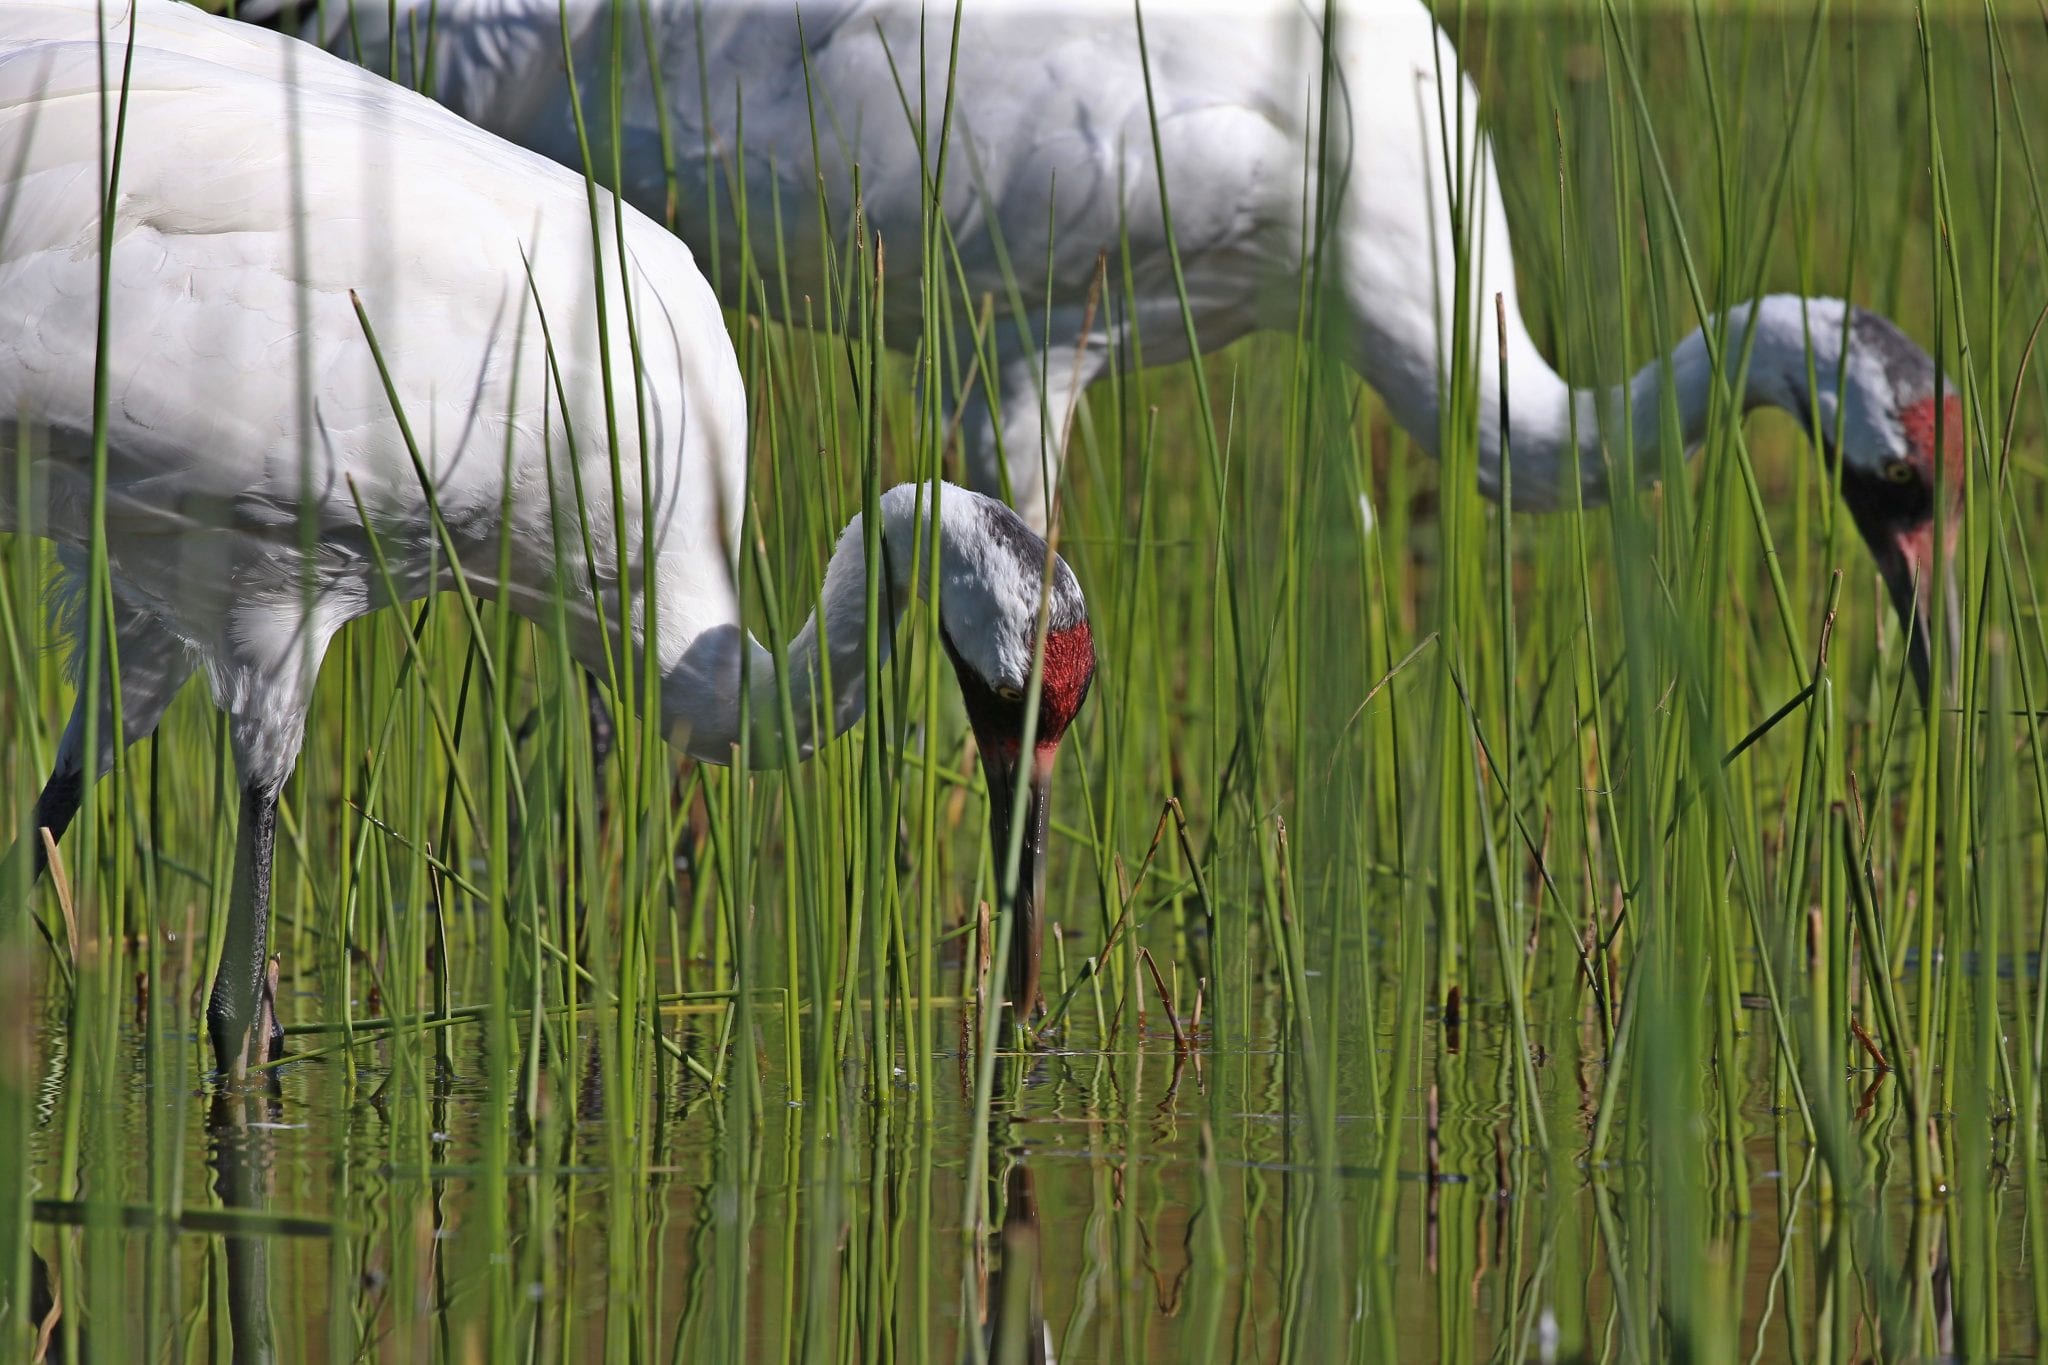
column 1014, row 1329
column 241, row 1155
column 1137, row 1208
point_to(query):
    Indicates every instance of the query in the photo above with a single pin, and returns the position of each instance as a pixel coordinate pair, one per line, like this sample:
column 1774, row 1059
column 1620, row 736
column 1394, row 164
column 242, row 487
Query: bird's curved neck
column 1548, row 423
column 826, row 665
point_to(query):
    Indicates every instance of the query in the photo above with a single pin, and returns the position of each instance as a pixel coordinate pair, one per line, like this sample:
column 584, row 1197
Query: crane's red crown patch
column 1918, row 421
column 1069, row 668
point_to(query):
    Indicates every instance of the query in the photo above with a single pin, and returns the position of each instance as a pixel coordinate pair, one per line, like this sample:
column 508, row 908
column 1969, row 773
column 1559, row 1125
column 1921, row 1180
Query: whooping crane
column 1051, row 161
column 265, row 187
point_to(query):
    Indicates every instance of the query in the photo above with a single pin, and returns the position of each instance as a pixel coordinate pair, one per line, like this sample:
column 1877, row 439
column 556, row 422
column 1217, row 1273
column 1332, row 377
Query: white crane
column 264, row 187
column 1050, row 160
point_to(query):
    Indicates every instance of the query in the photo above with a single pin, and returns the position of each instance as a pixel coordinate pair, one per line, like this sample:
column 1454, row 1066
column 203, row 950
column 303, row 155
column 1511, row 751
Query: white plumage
column 1051, row 162
column 264, row 189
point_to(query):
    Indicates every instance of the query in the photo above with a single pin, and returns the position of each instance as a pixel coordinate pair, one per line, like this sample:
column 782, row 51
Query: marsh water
column 1149, row 1202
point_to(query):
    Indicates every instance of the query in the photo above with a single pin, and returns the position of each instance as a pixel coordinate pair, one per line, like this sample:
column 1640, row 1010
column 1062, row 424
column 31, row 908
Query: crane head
column 998, row 582
column 1903, row 456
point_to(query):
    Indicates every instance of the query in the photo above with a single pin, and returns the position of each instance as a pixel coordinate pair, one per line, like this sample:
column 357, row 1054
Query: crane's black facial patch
column 998, row 720
column 1885, row 509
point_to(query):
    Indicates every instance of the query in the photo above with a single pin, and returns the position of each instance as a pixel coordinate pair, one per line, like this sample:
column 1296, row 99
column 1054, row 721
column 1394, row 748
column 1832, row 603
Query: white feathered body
column 260, row 183
column 1050, row 131
column 1050, row 161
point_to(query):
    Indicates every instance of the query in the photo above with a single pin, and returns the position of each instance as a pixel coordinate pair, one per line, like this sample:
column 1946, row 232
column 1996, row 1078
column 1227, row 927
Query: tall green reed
column 1499, row 747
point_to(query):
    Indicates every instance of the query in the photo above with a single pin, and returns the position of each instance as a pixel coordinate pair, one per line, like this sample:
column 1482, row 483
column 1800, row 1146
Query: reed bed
column 1538, row 937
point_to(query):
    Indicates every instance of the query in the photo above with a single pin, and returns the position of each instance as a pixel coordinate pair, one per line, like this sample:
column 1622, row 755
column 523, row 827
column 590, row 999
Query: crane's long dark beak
column 1906, row 562
column 1001, row 763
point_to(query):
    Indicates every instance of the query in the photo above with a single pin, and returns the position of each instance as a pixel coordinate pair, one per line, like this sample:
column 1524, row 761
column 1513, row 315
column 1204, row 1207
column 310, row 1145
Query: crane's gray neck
column 826, row 660
column 1610, row 431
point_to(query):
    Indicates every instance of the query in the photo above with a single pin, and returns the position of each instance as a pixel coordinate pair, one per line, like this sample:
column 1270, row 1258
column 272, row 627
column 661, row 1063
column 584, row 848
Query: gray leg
column 239, row 984
column 62, row 795
column 603, row 730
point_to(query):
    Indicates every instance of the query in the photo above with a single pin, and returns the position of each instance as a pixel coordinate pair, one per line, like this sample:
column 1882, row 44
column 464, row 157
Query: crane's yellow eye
column 1010, row 693
column 1899, row 471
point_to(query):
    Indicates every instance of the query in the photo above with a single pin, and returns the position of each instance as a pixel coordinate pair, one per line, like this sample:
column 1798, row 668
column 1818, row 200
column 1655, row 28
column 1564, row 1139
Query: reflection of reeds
column 566, row 1128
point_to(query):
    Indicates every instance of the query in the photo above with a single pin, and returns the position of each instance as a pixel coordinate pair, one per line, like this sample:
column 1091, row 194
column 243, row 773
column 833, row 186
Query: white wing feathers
column 264, row 188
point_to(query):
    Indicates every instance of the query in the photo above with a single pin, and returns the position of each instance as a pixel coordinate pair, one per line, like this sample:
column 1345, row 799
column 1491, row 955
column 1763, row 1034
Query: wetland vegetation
column 1476, row 936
